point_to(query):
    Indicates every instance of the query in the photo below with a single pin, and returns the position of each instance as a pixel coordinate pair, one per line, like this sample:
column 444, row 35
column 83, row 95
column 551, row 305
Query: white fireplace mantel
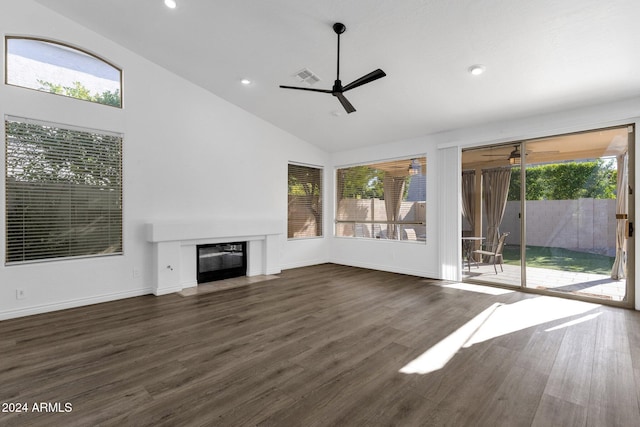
column 174, row 248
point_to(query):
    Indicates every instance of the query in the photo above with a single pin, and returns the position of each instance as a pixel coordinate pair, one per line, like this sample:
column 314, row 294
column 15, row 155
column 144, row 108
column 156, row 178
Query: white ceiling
column 540, row 56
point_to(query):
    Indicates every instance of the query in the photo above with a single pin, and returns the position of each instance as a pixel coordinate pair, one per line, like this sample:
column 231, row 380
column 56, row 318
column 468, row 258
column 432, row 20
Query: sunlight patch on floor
column 575, row 322
column 528, row 313
column 498, row 320
column 478, row 288
column 439, row 355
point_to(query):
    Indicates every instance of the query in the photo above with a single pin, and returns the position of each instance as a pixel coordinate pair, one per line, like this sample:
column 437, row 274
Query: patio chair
column 377, row 230
column 497, row 253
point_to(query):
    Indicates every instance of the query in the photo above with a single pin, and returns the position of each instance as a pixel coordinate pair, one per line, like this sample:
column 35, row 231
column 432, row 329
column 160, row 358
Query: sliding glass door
column 565, row 215
column 490, row 217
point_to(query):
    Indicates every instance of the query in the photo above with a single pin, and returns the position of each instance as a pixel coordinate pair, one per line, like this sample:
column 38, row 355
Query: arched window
column 57, row 68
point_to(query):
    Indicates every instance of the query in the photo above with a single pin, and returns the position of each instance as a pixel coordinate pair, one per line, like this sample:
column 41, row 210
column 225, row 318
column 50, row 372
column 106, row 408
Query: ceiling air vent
column 307, row 76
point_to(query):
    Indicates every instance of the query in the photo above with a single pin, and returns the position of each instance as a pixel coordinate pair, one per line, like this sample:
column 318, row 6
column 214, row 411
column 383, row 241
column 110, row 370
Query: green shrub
column 567, row 181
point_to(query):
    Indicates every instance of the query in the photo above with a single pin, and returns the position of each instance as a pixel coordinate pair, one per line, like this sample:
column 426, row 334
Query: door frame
column 630, row 295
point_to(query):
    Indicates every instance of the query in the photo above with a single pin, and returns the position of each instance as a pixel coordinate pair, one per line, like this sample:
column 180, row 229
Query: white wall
column 187, row 155
column 438, row 258
column 173, row 172
column 417, row 258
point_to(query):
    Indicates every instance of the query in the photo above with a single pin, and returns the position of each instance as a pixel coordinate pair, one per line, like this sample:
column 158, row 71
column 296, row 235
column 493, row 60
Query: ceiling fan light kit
column 414, row 167
column 338, row 90
column 514, row 157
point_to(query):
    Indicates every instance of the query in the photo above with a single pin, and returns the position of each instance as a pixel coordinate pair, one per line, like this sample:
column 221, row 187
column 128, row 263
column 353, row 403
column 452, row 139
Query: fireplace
column 221, row 261
column 175, row 255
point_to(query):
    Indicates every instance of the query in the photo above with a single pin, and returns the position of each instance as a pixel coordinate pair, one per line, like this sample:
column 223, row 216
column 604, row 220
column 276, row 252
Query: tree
column 566, row 181
column 365, row 182
column 305, row 189
column 63, row 191
column 79, row 91
column 37, row 153
column 361, row 182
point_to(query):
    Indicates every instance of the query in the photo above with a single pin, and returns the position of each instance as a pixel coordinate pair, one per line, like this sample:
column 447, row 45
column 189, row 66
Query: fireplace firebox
column 221, row 261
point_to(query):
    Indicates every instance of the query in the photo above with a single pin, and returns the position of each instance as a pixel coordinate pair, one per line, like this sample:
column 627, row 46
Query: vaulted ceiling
column 540, row 56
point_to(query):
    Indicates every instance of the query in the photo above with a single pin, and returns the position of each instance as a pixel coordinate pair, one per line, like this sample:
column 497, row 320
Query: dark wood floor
column 324, row 346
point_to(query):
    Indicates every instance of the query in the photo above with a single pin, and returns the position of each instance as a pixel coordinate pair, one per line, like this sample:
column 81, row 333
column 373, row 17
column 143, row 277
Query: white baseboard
column 305, row 263
column 391, row 269
column 186, row 285
column 167, row 290
column 46, row 308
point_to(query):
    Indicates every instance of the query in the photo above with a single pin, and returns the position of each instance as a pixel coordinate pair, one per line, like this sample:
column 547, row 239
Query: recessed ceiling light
column 245, row 81
column 171, row 4
column 477, row 69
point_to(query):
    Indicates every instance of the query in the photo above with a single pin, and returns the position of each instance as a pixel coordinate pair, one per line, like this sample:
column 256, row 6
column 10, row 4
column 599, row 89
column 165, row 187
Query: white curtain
column 619, row 270
column 469, row 196
column 495, row 190
column 393, row 192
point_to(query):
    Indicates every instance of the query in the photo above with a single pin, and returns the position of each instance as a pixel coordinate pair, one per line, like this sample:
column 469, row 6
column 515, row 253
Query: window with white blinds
column 383, row 200
column 63, row 191
column 305, row 201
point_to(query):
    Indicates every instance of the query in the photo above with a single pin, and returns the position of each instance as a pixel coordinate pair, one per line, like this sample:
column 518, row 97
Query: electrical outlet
column 20, row 294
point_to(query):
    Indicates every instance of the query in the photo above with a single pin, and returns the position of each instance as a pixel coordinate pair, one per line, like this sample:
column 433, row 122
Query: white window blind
column 63, row 191
column 305, row 201
column 384, row 200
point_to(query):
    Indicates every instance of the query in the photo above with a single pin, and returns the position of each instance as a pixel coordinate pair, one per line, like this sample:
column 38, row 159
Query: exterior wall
column 375, row 209
column 586, row 225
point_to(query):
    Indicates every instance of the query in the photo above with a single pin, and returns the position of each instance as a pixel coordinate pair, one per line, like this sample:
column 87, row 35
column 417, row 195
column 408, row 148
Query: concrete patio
column 585, row 284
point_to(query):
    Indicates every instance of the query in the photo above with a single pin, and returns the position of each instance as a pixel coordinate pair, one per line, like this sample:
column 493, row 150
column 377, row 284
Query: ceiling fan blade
column 337, row 89
column 345, row 102
column 374, row 75
column 307, row 88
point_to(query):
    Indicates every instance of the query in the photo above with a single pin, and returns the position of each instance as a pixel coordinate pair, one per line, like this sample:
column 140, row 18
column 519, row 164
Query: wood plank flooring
column 324, row 346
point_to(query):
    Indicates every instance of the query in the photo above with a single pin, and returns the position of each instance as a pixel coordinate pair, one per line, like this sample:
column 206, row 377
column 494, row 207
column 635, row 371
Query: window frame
column 67, row 188
column 319, row 214
column 67, row 46
column 374, row 227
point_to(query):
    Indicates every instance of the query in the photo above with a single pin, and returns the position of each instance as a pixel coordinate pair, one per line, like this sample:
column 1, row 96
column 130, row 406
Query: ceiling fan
column 516, row 155
column 338, row 90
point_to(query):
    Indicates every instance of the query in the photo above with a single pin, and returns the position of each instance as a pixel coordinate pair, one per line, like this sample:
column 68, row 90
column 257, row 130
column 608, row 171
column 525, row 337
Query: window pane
column 385, row 200
column 305, row 201
column 63, row 192
column 56, row 68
